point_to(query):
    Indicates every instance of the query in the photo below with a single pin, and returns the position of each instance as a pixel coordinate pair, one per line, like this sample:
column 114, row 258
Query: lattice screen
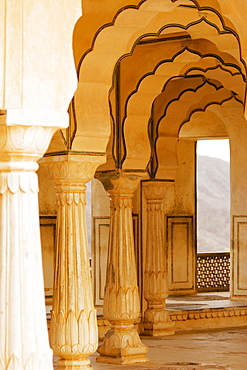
column 213, row 272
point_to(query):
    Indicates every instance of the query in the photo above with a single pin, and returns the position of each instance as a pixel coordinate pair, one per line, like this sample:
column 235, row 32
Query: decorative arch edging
column 152, row 96
column 88, row 92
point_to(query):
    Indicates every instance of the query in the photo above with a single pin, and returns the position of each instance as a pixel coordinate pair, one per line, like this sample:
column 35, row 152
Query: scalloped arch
column 140, row 104
column 168, row 164
column 167, row 134
column 211, row 75
column 111, row 44
column 103, row 14
column 165, row 142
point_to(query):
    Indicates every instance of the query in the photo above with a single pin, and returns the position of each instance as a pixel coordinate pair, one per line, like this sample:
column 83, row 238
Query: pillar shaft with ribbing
column 74, row 332
column 156, row 317
column 24, row 341
column 122, row 343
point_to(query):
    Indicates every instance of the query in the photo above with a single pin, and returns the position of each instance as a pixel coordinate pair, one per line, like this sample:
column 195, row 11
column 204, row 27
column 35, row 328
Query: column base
column 121, row 347
column 124, row 360
column 74, row 365
column 157, row 323
column 159, row 329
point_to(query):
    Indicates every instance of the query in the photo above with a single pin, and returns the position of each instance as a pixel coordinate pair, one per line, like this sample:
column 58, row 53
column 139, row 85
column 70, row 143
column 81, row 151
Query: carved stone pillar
column 122, row 343
column 74, row 331
column 156, row 318
column 23, row 331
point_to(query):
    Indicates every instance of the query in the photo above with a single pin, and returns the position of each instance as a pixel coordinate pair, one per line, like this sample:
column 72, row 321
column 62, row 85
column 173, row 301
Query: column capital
column 21, row 145
column 156, row 190
column 120, row 182
column 72, row 168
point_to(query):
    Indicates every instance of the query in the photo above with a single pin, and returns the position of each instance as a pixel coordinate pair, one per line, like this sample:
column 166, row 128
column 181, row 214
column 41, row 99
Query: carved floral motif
column 73, row 168
column 121, row 301
column 74, row 335
column 33, row 362
column 15, row 181
column 25, row 139
column 74, row 332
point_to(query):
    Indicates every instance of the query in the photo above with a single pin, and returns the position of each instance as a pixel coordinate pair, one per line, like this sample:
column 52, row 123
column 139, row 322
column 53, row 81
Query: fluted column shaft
column 74, row 332
column 24, row 341
column 156, row 318
column 121, row 301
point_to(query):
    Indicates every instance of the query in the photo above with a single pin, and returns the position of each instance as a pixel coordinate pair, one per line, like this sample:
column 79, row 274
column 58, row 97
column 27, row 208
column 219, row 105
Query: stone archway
column 110, row 36
column 95, row 82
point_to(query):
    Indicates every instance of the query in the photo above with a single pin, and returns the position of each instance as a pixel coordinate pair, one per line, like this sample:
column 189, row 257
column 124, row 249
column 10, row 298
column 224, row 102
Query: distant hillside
column 213, row 207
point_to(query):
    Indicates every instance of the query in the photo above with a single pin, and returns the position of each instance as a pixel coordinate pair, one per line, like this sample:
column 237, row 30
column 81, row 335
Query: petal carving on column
column 83, row 329
column 14, row 364
column 71, row 329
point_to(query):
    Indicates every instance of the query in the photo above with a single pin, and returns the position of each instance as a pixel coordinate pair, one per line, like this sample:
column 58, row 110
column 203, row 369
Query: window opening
column 213, row 215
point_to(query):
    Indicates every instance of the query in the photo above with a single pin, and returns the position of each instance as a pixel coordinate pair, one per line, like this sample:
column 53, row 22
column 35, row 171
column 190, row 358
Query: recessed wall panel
column 180, row 254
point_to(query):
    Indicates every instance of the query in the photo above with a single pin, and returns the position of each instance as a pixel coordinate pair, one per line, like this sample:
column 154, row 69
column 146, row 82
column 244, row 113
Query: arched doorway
column 213, row 215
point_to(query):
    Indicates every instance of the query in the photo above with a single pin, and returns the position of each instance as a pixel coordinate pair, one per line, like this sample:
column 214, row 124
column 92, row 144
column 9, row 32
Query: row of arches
column 154, row 77
column 108, row 44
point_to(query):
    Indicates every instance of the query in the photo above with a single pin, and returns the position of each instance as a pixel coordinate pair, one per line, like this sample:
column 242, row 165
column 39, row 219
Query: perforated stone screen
column 213, row 272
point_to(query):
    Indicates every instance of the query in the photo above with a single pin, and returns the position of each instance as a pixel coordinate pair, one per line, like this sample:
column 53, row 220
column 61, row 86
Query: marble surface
column 218, row 349
column 224, row 349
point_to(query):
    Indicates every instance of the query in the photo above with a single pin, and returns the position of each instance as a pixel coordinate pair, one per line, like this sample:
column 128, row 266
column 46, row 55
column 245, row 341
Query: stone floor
column 224, row 349
column 207, row 350
column 203, row 301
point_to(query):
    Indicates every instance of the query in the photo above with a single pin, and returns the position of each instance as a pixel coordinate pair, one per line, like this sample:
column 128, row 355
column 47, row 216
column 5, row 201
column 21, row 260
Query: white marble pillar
column 122, row 343
column 24, row 341
column 74, row 331
column 156, row 317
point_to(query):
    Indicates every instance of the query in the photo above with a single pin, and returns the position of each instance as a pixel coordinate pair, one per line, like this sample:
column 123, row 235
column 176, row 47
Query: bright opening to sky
column 214, row 148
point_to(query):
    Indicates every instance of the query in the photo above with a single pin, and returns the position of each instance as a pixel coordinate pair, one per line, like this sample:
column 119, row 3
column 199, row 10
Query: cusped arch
column 233, row 14
column 210, row 112
column 172, row 110
column 168, row 125
column 111, row 44
column 103, row 15
column 140, row 104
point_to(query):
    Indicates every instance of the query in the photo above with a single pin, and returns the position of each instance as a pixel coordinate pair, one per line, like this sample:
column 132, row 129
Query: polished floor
column 207, row 350
column 212, row 349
